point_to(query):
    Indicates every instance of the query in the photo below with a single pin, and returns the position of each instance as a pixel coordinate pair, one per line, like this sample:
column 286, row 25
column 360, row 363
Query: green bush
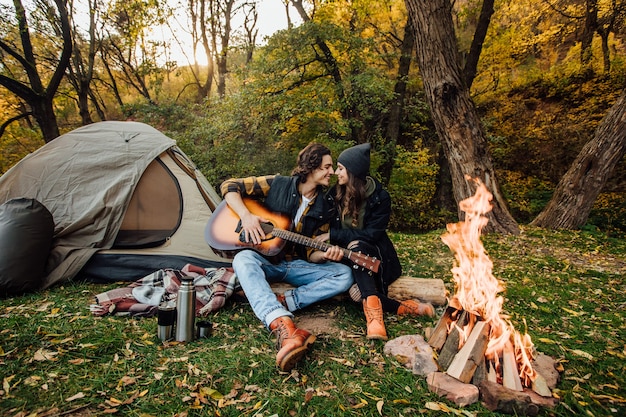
column 525, row 195
column 412, row 187
column 609, row 213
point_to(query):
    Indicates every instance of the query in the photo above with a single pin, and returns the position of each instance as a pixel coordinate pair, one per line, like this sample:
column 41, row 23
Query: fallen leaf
column 308, row 395
column 344, row 362
column 379, row 407
column 210, row 392
column 584, row 354
column 6, row 383
column 573, row 313
column 75, row 397
column 44, row 355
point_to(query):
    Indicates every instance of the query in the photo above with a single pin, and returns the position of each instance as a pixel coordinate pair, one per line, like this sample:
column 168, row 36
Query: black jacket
column 374, row 232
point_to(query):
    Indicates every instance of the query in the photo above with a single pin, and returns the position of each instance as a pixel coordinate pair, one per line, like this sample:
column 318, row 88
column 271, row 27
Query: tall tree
column 81, row 70
column 198, row 13
column 392, row 133
column 29, row 83
column 128, row 52
column 471, row 63
column 575, row 194
column 222, row 15
column 454, row 115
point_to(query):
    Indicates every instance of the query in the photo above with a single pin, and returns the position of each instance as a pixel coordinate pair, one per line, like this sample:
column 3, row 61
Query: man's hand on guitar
column 251, row 226
column 333, row 253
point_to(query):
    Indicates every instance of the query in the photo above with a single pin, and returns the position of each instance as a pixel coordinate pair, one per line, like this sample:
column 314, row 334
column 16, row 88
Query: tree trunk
column 328, row 60
column 469, row 70
column 43, row 112
column 35, row 94
column 454, row 115
column 577, row 191
column 395, row 112
column 591, row 25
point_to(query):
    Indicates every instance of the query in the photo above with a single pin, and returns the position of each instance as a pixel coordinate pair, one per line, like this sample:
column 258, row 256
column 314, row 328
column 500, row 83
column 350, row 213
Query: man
column 315, row 274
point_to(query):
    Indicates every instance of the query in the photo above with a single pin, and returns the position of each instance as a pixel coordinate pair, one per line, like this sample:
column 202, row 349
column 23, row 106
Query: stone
column 452, row 389
column 413, row 352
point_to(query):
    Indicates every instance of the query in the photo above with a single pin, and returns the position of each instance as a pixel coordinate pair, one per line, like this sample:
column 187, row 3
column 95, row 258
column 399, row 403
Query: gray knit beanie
column 356, row 160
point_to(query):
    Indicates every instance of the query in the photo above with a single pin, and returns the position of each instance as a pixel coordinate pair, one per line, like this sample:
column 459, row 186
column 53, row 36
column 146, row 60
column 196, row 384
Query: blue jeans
column 313, row 282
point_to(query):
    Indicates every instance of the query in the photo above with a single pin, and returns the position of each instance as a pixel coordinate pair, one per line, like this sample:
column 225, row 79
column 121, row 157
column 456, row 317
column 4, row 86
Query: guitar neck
column 357, row 258
column 304, row 240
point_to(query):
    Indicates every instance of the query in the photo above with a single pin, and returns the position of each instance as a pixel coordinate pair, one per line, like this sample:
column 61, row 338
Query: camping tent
column 125, row 200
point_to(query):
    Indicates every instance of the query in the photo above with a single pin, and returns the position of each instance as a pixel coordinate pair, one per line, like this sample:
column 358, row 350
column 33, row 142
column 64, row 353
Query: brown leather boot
column 292, row 343
column 416, row 308
column 373, row 309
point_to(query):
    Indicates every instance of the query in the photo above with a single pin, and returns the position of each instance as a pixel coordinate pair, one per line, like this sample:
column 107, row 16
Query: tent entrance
column 155, row 209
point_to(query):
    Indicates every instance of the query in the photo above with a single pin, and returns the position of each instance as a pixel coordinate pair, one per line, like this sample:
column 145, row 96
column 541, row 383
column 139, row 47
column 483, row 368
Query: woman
column 364, row 208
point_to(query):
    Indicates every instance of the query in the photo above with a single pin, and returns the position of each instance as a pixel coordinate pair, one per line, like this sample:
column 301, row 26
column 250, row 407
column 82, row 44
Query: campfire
column 474, row 340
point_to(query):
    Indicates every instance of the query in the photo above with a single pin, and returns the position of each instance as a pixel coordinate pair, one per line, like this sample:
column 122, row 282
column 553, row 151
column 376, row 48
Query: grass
column 566, row 289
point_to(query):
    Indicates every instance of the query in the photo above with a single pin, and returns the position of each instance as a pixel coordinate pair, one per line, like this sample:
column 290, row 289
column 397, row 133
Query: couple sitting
column 353, row 214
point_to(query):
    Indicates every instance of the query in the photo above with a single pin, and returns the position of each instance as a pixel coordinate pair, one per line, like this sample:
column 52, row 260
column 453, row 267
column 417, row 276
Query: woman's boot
column 416, row 308
column 373, row 309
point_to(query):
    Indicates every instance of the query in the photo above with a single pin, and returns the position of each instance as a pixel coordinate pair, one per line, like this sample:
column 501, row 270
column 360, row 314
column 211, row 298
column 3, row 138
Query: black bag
column 26, row 233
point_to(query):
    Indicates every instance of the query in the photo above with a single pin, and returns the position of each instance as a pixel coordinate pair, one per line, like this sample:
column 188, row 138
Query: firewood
column 438, row 336
column 480, row 374
column 451, row 346
column 430, row 290
column 471, row 354
column 492, row 374
column 510, row 376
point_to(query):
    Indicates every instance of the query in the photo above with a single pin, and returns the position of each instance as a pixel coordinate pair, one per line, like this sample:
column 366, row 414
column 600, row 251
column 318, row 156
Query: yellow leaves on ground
column 581, row 353
column 343, row 361
column 112, row 404
column 438, row 406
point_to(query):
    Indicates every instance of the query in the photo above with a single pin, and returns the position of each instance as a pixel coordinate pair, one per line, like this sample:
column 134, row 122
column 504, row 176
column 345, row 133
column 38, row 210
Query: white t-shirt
column 303, row 205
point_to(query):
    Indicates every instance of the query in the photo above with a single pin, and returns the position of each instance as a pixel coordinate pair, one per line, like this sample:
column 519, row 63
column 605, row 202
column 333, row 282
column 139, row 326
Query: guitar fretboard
column 358, row 258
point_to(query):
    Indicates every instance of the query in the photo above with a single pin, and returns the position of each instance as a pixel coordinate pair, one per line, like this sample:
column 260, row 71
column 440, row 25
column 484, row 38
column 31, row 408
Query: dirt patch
column 318, row 324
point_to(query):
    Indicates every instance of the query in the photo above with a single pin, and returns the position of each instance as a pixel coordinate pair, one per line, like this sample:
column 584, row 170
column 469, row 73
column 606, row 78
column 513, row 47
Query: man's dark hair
column 309, row 159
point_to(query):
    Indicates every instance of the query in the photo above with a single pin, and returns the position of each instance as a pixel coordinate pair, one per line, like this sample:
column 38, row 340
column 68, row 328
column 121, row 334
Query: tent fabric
column 86, row 179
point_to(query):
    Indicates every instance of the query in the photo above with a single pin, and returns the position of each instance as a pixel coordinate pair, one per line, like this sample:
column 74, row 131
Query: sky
column 271, row 18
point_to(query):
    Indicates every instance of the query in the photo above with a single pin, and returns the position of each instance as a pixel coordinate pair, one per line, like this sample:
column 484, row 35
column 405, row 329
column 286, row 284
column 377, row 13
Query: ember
column 474, row 340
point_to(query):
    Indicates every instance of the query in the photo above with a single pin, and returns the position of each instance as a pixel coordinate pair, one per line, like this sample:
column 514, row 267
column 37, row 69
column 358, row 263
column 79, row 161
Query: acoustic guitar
column 224, row 234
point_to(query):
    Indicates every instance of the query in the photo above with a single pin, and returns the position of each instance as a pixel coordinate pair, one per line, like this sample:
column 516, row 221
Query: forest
column 527, row 96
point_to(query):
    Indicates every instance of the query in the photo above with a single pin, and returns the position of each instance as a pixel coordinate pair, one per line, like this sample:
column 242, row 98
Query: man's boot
column 373, row 309
column 292, row 343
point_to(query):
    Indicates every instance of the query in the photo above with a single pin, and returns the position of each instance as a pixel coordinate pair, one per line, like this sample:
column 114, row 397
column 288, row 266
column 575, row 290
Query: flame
column 476, row 289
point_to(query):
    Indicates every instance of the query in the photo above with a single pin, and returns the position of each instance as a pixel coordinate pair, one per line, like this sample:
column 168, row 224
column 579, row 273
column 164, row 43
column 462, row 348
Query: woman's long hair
column 350, row 197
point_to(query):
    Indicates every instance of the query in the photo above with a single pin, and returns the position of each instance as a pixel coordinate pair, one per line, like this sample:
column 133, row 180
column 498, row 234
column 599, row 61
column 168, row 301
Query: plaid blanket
column 143, row 297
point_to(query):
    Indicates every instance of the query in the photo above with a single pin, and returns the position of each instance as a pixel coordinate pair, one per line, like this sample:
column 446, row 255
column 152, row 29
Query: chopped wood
column 480, row 374
column 430, row 290
column 438, row 336
column 471, row 354
column 492, row 374
column 451, row 346
column 510, row 375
